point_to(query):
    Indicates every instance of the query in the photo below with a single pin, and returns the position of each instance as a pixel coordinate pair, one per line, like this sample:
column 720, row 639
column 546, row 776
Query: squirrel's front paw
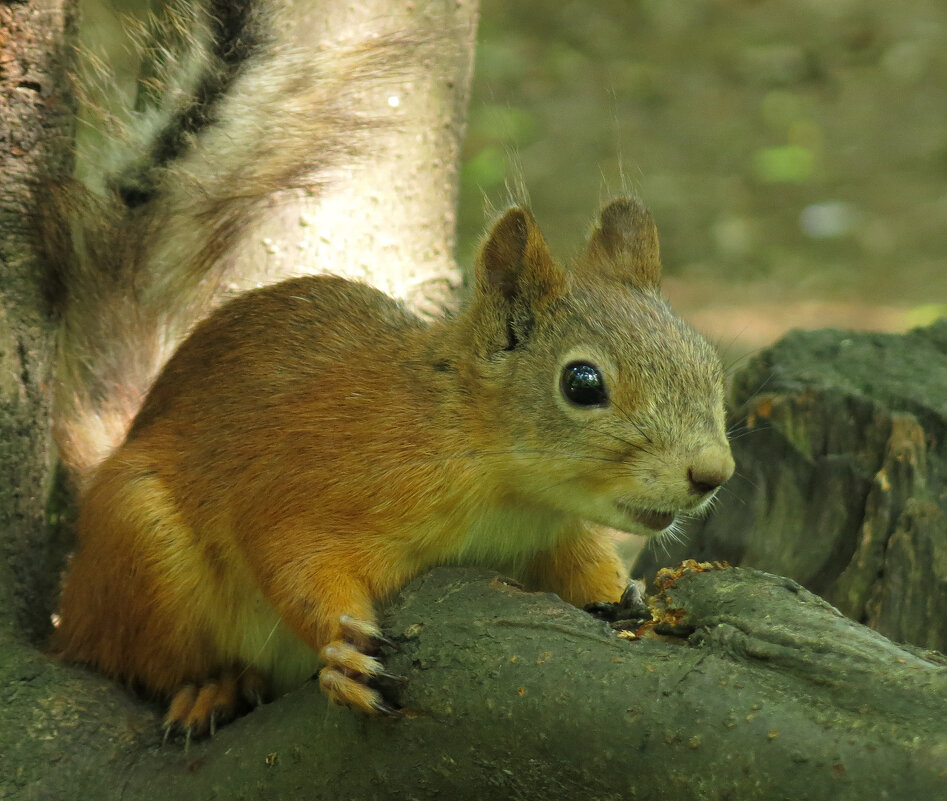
column 629, row 613
column 349, row 668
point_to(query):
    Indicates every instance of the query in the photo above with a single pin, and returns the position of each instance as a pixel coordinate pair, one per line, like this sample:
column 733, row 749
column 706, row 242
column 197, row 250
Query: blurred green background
column 794, row 152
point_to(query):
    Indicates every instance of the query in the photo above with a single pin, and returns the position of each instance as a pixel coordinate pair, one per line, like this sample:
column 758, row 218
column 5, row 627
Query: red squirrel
column 313, row 445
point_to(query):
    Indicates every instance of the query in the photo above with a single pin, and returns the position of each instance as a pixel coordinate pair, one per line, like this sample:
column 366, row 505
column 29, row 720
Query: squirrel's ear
column 624, row 244
column 517, row 279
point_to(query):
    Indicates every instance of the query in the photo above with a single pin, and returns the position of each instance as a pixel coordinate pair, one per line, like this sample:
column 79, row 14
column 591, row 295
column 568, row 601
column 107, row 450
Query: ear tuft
column 501, row 258
column 625, row 244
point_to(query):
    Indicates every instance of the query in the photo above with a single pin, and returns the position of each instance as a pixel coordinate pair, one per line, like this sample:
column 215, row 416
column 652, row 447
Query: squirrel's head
column 602, row 402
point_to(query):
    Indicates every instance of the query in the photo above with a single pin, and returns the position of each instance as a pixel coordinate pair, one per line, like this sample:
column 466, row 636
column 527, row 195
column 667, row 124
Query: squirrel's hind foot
column 197, row 710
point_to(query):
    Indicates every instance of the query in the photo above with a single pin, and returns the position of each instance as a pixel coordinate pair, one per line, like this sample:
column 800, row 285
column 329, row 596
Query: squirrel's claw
column 364, row 633
column 383, row 708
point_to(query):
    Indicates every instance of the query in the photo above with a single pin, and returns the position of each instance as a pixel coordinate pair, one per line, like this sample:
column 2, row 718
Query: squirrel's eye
column 583, row 385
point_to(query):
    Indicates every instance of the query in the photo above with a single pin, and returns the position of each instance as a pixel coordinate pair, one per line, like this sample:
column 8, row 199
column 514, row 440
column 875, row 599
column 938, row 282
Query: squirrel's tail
column 143, row 240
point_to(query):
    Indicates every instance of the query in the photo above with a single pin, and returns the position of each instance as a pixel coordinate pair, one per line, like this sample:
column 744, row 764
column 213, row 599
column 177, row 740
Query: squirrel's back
column 306, row 416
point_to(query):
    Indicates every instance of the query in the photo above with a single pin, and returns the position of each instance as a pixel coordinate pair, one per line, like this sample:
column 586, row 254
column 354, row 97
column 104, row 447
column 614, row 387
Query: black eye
column 583, row 385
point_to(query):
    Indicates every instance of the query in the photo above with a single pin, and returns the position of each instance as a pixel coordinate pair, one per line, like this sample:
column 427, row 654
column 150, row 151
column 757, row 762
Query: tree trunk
column 36, row 127
column 842, row 477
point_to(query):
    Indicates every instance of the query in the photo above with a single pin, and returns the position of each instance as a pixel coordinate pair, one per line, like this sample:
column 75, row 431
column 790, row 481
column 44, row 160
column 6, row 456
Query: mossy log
column 749, row 687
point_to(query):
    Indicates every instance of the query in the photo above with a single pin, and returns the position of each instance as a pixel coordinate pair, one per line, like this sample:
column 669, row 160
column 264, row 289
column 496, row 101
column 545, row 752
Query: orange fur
column 312, row 446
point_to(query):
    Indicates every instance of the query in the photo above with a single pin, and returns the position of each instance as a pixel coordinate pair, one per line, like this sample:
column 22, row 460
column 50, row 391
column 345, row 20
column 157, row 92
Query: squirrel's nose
column 709, row 471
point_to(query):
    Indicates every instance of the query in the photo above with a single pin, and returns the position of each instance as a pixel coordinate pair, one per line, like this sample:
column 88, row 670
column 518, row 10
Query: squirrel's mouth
column 649, row 518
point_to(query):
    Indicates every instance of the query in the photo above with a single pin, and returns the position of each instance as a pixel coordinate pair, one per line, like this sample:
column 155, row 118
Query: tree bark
column 841, row 451
column 36, row 127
